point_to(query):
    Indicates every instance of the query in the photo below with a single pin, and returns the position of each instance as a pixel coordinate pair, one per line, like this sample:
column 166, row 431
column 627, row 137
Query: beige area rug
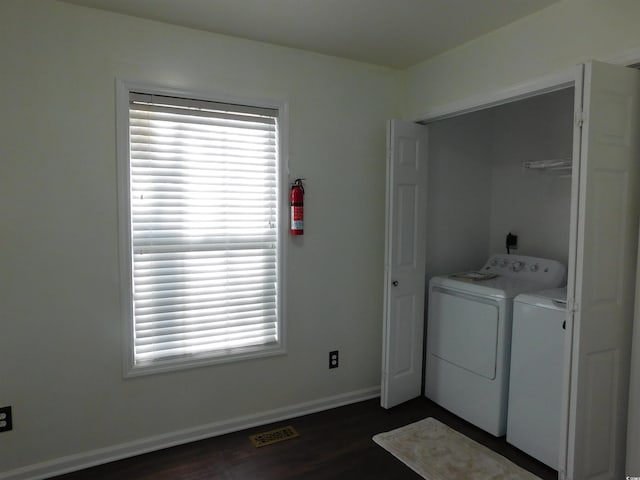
column 438, row 452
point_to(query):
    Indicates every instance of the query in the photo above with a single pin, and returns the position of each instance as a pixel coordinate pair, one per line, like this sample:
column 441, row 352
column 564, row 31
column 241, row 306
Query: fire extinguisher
column 297, row 207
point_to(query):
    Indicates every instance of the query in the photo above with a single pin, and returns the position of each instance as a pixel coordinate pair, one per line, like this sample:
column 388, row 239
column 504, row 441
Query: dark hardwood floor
column 335, row 444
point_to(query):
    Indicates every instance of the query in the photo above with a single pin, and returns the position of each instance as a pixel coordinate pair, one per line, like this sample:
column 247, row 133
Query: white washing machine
column 469, row 335
column 535, row 387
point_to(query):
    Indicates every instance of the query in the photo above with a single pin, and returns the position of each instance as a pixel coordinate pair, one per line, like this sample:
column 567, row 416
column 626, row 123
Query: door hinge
column 579, row 118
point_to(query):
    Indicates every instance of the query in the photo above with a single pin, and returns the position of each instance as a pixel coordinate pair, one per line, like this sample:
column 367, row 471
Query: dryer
column 469, row 335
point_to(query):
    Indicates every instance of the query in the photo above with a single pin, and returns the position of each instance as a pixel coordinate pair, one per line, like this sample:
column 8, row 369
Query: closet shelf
column 560, row 164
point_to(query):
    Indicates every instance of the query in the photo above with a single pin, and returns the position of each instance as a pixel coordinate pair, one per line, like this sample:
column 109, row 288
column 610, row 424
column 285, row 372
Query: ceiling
column 394, row 33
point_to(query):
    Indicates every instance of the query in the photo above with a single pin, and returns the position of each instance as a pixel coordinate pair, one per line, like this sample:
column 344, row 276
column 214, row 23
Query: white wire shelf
column 554, row 164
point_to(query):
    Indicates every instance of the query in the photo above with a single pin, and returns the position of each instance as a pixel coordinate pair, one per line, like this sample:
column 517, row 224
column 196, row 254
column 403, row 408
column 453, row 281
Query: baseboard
column 100, row 456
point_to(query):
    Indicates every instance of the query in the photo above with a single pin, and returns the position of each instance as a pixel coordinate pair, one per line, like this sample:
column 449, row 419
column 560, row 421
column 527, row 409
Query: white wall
column 532, row 204
column 60, row 363
column 556, row 38
column 544, row 43
column 61, row 345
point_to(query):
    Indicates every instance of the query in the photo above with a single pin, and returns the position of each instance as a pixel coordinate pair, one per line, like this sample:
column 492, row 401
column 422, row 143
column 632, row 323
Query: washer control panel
column 535, row 269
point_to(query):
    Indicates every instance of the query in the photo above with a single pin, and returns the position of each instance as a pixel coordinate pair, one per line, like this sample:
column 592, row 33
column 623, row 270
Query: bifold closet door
column 602, row 271
column 404, row 276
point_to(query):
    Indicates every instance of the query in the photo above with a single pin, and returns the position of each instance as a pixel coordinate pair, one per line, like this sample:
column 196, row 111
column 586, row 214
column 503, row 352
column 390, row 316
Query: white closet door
column 605, row 220
column 404, row 289
column 633, row 421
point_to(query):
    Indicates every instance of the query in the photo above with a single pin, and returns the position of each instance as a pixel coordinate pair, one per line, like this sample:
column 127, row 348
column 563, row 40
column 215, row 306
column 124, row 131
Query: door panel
column 404, row 313
column 609, row 192
column 403, row 322
column 407, row 198
column 602, row 372
column 601, row 284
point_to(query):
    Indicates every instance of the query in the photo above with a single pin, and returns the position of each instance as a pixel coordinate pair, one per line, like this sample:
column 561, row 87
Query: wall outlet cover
column 333, row 359
column 6, row 419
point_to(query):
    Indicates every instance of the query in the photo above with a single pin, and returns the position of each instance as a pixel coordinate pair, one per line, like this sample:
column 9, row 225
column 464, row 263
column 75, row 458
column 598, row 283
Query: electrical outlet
column 6, row 421
column 333, row 359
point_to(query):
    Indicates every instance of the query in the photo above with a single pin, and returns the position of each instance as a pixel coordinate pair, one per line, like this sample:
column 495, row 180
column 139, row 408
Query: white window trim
column 130, row 369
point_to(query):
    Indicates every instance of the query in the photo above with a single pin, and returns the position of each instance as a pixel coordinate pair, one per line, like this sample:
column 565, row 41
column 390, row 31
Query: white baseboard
column 100, row 456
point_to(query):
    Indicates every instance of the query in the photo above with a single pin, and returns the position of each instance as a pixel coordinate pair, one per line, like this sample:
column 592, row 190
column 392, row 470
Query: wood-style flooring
column 334, row 444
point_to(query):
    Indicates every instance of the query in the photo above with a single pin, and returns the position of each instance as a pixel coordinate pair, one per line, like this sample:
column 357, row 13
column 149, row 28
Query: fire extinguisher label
column 297, row 222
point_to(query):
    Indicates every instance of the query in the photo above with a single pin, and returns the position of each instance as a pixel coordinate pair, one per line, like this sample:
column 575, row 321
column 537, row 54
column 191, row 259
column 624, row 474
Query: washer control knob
column 517, row 266
column 534, row 267
column 504, row 262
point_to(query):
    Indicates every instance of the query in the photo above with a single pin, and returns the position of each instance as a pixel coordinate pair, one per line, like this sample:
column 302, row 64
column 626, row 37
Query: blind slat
column 190, row 305
column 203, row 337
column 205, row 315
column 172, row 341
column 159, row 100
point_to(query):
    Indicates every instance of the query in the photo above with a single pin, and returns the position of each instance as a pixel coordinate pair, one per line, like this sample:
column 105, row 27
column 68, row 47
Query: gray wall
column 459, row 193
column 479, row 190
column 532, row 204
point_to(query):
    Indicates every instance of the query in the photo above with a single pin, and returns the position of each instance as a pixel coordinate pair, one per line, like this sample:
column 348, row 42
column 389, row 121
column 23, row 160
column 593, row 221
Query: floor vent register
column 273, row 436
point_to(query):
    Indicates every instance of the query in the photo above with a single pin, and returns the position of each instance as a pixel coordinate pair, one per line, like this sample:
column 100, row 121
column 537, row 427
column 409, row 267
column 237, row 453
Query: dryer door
column 463, row 330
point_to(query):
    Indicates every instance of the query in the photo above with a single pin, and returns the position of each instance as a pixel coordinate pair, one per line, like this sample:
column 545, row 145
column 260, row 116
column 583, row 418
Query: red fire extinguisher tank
column 297, row 207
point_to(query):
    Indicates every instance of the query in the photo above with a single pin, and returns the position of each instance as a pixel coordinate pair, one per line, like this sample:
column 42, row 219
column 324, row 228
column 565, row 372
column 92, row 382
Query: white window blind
column 203, row 209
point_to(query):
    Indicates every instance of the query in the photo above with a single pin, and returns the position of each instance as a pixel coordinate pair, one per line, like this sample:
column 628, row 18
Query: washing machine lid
column 555, row 298
column 499, row 287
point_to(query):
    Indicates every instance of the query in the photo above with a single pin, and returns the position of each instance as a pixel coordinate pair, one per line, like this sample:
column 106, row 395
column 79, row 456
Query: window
column 200, row 186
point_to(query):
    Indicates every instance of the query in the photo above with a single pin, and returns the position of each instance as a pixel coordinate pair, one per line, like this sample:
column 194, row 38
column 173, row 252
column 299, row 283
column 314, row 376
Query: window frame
column 130, row 369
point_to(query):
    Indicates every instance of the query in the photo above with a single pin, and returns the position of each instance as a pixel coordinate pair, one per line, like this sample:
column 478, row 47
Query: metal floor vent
column 273, row 436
